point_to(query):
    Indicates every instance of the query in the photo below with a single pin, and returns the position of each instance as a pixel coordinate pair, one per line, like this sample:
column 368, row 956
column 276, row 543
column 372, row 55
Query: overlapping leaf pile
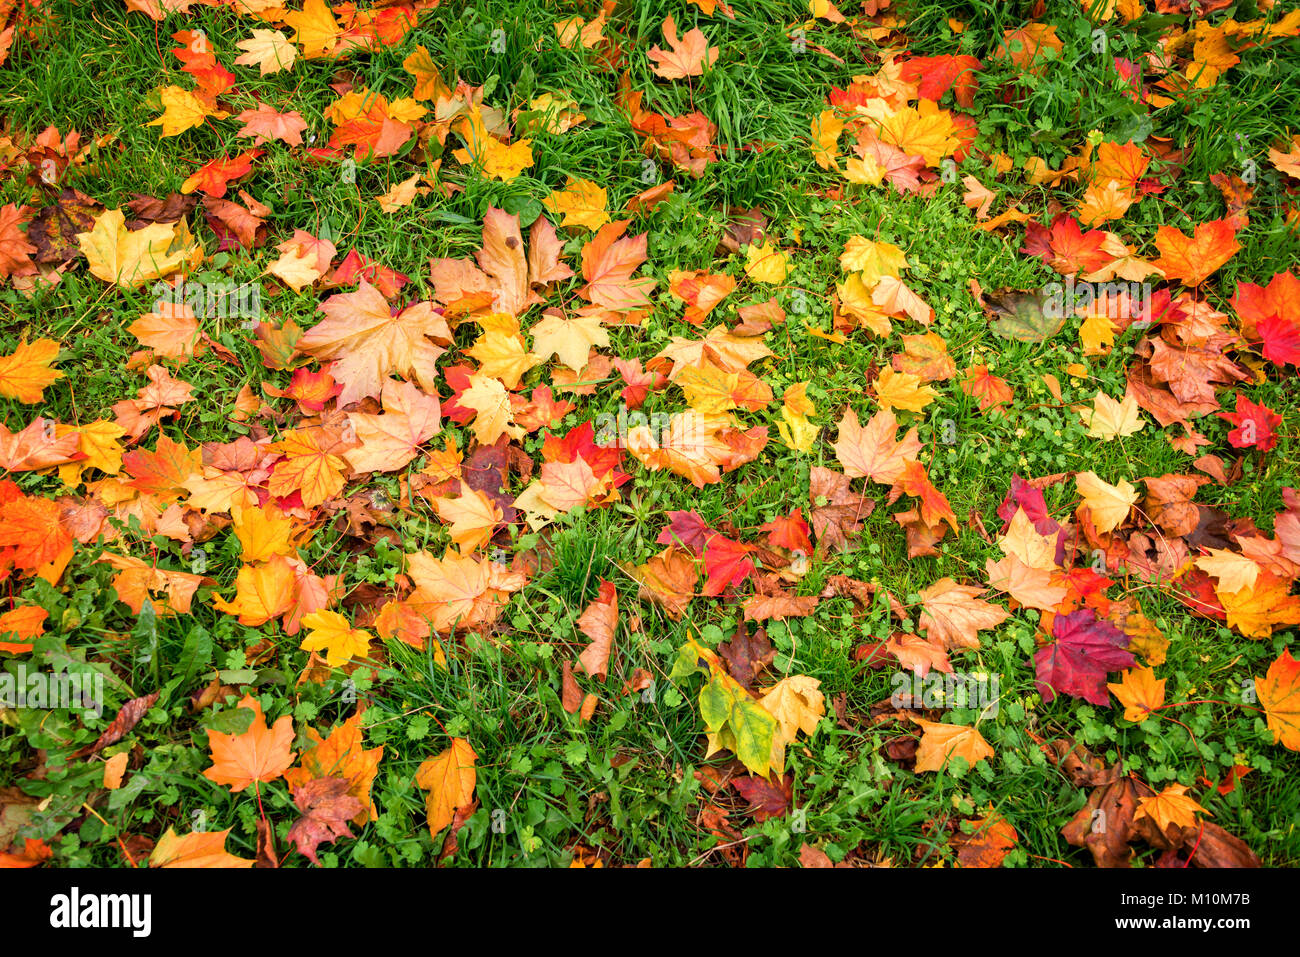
column 464, row 387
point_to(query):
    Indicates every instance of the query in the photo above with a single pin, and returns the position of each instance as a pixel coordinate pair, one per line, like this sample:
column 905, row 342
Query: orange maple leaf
column 259, row 754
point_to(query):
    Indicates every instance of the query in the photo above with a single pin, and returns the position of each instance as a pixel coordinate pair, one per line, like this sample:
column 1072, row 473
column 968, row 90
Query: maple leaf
column 989, row 841
column 939, row 74
column 315, row 28
column 1084, row 648
column 873, row 451
column 449, row 778
column 330, row 632
column 953, row 614
column 1029, row 586
column 902, row 390
column 326, row 806
column 265, row 124
column 1279, row 695
column 268, row 50
column 568, row 339
column 1108, row 419
column 26, row 371
column 33, row 535
column 1140, row 692
column 199, row 849
column 1170, row 808
column 341, row 755
column 473, row 517
column 171, row 332
column 608, row 262
column 310, row 466
column 370, row 343
column 259, row 754
column 940, row 743
column 1108, row 504
column 1193, row 258
column 1255, row 425
column 262, row 592
column 726, row 563
column 132, row 258
column 766, row 263
column 987, row 389
column 668, row 579
column 1255, row 611
column 391, row 441
column 581, row 203
column 689, row 56
column 598, row 622
column 15, row 250
column 490, row 402
column 183, row 110
column 214, row 177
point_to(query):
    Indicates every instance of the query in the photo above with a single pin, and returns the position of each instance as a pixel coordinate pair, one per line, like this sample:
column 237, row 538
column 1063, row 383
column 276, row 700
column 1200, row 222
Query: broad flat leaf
column 608, row 262
column 688, row 57
column 259, row 754
column 26, row 371
column 449, row 778
column 1025, row 316
column 342, row 754
column 1140, row 692
column 132, row 258
column 199, row 849
column 1170, row 808
column 327, row 806
column 262, row 592
column 1084, row 649
column 391, row 441
column 940, row 743
column 568, row 339
column 1193, row 258
column 954, row 614
column 873, row 451
column 268, row 50
column 1109, row 505
column 1279, row 696
column 330, row 632
column 369, row 343
column 598, row 622
column 1108, row 419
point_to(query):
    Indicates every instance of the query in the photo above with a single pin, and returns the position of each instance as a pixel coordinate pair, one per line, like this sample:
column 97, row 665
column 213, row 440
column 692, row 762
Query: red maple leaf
column 1086, row 649
column 726, row 563
column 1254, row 425
column 938, row 74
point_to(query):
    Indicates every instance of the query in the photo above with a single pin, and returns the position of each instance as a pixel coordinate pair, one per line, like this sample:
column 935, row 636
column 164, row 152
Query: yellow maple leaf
column 902, row 390
column 1108, row 504
column 182, row 110
column 1171, row 806
column 26, row 371
column 472, row 515
column 940, row 743
column 568, row 339
column 133, row 257
column 1108, row 419
column 330, row 632
column 581, row 203
column 766, row 263
column 199, row 849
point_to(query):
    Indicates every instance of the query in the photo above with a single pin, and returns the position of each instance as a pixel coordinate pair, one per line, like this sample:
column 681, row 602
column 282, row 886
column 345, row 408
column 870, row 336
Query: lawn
column 663, row 435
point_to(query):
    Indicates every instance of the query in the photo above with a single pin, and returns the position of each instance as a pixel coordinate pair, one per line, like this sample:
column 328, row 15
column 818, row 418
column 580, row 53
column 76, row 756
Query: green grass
column 624, row 783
